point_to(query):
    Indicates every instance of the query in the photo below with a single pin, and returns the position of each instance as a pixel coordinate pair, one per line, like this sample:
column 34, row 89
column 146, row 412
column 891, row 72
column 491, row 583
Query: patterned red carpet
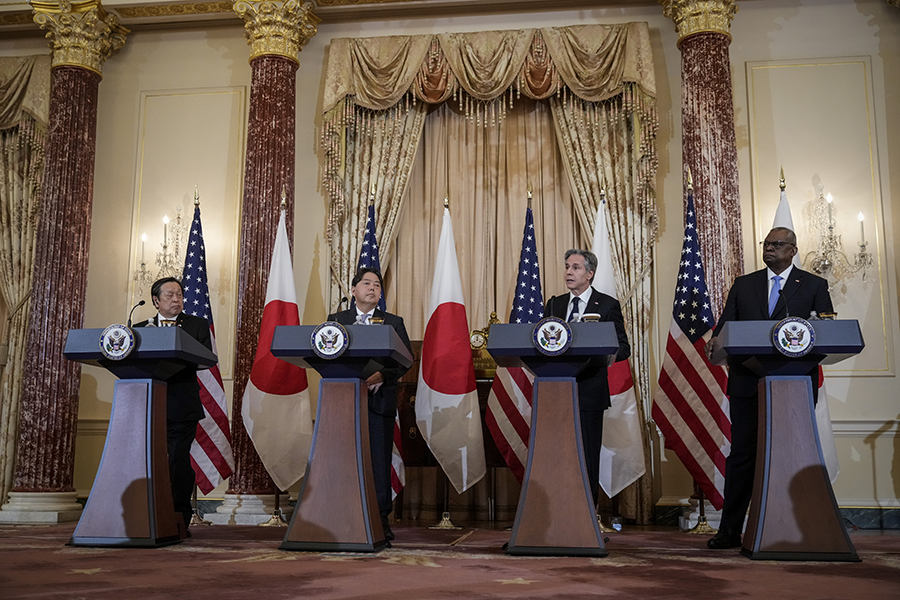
column 225, row 562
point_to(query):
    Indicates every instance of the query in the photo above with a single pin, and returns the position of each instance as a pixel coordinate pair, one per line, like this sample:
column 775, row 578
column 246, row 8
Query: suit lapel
column 762, row 292
column 593, row 304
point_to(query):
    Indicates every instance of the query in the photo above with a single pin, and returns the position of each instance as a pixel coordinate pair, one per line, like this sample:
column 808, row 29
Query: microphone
column 340, row 303
column 787, row 313
column 141, row 303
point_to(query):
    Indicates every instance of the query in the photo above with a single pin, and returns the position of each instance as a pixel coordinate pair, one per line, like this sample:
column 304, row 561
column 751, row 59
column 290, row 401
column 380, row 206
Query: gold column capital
column 698, row 16
column 280, row 28
column 81, row 32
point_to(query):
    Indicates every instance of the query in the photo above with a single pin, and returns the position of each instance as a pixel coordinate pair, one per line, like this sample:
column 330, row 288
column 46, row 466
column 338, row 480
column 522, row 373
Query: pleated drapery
column 412, row 119
column 24, row 117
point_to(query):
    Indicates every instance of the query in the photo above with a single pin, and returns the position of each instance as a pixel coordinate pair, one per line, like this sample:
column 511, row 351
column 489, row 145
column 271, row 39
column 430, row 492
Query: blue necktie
column 773, row 295
column 574, row 312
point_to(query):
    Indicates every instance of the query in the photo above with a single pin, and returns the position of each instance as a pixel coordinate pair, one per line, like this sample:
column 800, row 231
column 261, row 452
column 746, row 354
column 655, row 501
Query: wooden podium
column 131, row 500
column 337, row 509
column 556, row 514
column 793, row 512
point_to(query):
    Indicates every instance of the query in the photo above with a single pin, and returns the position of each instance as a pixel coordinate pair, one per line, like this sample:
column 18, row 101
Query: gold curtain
column 487, row 171
column 482, row 145
column 372, row 83
column 24, row 117
column 603, row 148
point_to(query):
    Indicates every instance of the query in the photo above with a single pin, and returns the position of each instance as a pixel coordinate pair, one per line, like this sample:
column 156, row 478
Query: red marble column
column 709, row 149
column 269, row 169
column 49, row 407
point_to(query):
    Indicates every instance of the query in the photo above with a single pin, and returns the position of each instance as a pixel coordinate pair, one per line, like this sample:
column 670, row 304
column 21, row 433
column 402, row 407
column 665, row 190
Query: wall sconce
column 828, row 259
column 142, row 276
column 170, row 259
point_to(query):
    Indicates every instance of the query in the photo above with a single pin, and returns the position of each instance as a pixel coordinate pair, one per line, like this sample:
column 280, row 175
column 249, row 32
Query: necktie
column 773, row 295
column 362, row 319
column 574, row 314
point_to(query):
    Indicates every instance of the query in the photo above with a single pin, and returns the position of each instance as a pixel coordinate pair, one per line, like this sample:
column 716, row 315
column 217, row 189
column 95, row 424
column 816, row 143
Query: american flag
column 690, row 407
column 368, row 257
column 508, row 415
column 211, row 454
column 368, row 254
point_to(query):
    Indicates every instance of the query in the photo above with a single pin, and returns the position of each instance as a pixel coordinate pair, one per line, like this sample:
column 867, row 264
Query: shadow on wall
column 893, row 429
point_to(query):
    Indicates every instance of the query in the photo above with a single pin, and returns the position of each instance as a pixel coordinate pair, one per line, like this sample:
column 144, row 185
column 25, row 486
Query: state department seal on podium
column 794, row 336
column 551, row 336
column 116, row 342
column 329, row 340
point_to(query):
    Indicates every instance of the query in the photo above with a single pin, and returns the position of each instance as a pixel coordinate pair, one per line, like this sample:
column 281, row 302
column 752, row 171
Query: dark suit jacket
column 748, row 300
column 593, row 385
column 383, row 401
column 183, row 394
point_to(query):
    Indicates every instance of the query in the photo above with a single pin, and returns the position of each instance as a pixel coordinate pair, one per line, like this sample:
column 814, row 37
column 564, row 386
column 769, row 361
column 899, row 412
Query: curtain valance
column 593, row 61
column 24, row 90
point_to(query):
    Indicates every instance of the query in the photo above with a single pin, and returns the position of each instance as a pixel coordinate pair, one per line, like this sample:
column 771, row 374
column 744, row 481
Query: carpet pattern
column 224, row 562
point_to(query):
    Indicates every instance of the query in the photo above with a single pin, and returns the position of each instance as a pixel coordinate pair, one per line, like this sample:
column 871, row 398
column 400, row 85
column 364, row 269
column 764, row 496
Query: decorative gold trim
column 16, row 18
column 280, row 28
column 699, row 16
column 358, row 2
column 81, row 32
column 165, row 10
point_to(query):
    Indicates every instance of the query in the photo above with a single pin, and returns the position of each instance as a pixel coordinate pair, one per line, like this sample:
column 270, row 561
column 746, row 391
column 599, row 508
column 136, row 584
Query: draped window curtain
column 24, row 117
column 480, row 118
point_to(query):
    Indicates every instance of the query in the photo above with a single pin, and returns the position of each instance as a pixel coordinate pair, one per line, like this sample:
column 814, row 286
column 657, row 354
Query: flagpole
column 277, row 518
column 446, row 522
column 196, row 519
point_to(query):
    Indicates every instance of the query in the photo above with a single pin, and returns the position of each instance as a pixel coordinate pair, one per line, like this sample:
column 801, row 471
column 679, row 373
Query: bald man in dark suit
column 759, row 297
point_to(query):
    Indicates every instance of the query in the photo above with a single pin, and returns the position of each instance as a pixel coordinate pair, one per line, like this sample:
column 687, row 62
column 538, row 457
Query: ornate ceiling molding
column 176, row 10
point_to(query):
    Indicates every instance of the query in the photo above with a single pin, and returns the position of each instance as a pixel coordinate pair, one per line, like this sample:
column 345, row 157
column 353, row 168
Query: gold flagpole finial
column 372, row 194
column 529, row 194
column 781, row 183
column 283, row 198
column 446, row 203
column 690, row 180
column 196, row 195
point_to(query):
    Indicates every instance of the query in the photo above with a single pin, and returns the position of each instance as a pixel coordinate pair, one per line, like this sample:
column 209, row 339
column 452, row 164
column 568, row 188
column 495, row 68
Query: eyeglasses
column 777, row 244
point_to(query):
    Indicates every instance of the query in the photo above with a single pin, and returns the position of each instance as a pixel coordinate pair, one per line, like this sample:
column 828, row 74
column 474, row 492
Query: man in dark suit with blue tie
column 366, row 290
column 593, row 384
column 184, row 409
column 773, row 293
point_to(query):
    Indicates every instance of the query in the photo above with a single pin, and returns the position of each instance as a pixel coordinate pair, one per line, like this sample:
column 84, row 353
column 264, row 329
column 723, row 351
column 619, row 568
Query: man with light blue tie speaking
column 774, row 293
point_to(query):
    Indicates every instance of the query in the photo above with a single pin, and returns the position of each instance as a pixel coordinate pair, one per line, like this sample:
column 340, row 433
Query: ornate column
column 82, row 36
column 708, row 139
column 276, row 33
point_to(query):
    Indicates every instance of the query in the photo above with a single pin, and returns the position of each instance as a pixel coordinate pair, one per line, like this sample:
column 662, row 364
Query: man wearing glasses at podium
column 184, row 409
column 773, row 293
column 366, row 291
